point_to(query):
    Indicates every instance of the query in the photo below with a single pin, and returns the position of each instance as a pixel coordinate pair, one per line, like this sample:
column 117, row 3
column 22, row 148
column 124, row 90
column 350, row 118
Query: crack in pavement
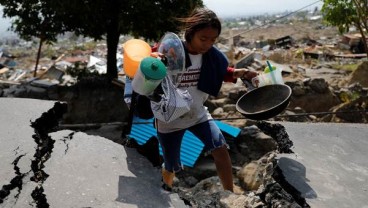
column 68, row 138
column 45, row 144
column 16, row 182
column 279, row 134
column 16, row 150
column 281, row 192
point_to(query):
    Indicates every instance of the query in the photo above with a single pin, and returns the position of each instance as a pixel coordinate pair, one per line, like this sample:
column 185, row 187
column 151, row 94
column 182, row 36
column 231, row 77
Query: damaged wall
column 91, row 100
column 94, row 101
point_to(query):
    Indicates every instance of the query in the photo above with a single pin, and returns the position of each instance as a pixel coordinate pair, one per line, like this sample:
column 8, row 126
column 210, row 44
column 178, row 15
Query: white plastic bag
column 174, row 103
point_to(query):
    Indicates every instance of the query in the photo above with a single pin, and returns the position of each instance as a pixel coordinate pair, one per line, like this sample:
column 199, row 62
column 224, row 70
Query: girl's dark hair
column 199, row 19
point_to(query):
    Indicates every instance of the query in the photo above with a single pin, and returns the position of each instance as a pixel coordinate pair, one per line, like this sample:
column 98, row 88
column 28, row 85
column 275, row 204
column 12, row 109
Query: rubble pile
column 312, row 65
column 255, row 168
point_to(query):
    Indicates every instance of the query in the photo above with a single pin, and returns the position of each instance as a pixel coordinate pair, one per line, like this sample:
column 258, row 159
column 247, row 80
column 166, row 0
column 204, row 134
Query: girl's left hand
column 244, row 73
column 157, row 55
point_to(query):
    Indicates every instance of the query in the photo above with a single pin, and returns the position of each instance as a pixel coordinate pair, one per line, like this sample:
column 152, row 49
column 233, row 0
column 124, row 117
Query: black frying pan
column 264, row 102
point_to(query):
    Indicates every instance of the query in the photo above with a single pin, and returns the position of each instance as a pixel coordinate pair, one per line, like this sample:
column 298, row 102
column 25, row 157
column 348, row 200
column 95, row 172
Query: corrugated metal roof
column 231, row 130
column 142, row 130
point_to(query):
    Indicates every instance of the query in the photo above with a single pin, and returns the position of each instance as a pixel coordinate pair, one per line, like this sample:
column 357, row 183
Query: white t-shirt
column 198, row 112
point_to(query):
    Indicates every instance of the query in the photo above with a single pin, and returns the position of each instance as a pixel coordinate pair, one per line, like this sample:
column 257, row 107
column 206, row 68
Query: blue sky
column 226, row 8
column 4, row 24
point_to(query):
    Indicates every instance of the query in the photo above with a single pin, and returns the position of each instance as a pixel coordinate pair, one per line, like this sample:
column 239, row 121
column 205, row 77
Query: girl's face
column 202, row 40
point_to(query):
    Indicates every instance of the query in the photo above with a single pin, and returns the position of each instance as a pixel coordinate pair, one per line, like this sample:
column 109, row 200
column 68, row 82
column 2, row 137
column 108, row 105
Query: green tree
column 33, row 19
column 346, row 13
column 99, row 19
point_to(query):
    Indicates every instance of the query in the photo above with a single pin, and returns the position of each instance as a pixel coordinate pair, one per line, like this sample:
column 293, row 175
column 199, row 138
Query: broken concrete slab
column 330, row 166
column 16, row 132
column 80, row 170
column 17, row 143
column 100, row 173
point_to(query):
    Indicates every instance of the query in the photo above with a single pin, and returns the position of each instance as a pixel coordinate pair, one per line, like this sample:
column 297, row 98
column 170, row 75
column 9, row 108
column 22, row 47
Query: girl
column 207, row 68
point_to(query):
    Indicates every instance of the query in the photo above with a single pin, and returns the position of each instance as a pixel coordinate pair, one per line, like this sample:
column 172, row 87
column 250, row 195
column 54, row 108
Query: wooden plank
column 9, row 82
column 3, row 70
column 245, row 61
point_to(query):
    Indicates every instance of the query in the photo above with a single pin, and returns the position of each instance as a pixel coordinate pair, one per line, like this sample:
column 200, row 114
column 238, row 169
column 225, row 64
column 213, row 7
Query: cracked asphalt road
column 78, row 170
column 329, row 166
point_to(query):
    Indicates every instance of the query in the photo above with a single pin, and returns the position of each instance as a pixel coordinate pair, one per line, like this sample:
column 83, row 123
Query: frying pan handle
column 248, row 84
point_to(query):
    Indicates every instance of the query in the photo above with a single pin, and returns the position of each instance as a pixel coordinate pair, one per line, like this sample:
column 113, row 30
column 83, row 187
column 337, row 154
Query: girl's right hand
column 159, row 56
column 244, row 73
